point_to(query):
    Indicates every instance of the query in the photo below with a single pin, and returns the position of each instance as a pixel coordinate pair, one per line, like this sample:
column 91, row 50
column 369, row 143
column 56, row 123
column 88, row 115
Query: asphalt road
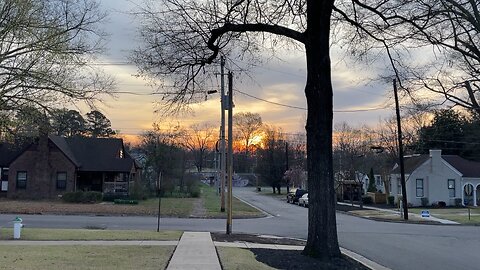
column 394, row 245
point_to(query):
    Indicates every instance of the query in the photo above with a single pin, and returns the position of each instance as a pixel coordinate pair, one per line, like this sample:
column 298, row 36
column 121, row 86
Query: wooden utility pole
column 400, row 153
column 230, row 152
column 222, row 136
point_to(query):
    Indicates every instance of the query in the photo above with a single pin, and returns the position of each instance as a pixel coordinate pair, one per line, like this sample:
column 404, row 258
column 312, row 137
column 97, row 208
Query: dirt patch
column 199, row 210
column 287, row 259
column 293, row 259
column 259, row 239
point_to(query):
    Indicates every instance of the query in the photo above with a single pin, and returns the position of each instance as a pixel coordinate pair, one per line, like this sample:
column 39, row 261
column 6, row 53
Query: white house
column 439, row 178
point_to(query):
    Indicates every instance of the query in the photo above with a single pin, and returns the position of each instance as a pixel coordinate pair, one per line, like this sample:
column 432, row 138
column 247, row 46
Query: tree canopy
column 182, row 38
column 46, row 48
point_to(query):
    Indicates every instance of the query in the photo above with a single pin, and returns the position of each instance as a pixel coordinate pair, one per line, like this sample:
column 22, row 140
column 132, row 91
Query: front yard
column 459, row 215
column 207, row 206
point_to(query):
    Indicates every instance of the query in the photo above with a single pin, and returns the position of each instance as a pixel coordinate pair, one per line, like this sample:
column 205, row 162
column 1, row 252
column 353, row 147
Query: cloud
column 279, row 81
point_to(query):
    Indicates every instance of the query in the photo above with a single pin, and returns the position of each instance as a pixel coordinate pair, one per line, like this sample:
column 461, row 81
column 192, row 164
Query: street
column 394, row 245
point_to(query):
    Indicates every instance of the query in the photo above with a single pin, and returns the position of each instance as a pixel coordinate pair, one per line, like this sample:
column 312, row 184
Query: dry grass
column 74, row 234
column 240, row 209
column 175, row 207
column 84, row 257
column 239, row 259
column 459, row 215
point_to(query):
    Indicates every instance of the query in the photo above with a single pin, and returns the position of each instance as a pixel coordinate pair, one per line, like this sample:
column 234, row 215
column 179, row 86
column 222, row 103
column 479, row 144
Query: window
column 61, row 180
column 419, row 188
column 378, row 180
column 399, row 186
column 21, row 180
column 451, row 188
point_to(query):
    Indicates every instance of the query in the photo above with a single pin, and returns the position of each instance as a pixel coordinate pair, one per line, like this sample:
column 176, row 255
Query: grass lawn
column 239, row 259
column 212, row 205
column 75, row 234
column 85, row 257
column 459, row 215
column 170, row 207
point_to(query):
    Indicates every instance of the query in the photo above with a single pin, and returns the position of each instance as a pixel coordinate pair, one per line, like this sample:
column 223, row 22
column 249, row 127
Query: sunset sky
column 276, row 81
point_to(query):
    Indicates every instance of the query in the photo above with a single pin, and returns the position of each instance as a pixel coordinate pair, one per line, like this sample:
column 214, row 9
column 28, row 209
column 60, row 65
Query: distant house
column 54, row 165
column 439, row 178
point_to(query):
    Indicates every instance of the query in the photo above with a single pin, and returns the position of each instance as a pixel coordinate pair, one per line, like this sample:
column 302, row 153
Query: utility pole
column 230, row 152
column 286, row 166
column 400, row 154
column 222, row 136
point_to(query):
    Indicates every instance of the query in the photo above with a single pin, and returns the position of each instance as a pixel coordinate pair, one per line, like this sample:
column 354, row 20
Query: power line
column 304, row 109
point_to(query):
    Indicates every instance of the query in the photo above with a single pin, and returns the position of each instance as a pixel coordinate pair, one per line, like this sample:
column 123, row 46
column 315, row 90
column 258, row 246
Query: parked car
column 294, row 195
column 303, row 201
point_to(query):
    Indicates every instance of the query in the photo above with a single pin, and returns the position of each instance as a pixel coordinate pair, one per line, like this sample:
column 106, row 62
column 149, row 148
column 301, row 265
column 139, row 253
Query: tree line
column 23, row 126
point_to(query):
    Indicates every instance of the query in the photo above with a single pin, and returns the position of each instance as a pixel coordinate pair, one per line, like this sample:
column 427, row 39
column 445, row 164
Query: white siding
column 435, row 177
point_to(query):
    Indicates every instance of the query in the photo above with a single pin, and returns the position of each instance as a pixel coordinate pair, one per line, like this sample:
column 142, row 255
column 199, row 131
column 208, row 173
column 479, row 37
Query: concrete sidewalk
column 195, row 251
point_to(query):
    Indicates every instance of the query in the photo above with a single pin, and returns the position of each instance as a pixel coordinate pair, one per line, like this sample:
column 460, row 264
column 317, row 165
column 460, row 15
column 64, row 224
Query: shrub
column 82, row 197
column 92, row 196
column 139, row 191
column 424, row 201
column 72, row 197
column 442, row 204
column 123, row 201
column 367, row 200
column 458, row 202
column 110, row 197
column 391, row 200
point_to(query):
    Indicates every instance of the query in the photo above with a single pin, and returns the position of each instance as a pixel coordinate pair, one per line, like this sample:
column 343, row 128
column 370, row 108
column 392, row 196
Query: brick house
column 8, row 152
column 54, row 165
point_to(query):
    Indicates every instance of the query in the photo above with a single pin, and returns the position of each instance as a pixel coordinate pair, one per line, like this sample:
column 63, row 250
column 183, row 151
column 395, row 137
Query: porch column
column 463, row 195
column 474, row 196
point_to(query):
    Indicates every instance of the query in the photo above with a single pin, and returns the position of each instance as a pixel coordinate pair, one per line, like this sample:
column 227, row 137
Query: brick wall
column 42, row 161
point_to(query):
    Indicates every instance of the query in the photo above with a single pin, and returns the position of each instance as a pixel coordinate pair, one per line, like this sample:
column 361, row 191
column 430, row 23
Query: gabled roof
column 8, row 152
column 411, row 163
column 468, row 168
column 63, row 146
column 95, row 154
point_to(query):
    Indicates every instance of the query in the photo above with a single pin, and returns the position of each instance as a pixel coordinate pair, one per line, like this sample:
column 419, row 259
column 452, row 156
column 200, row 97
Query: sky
column 356, row 101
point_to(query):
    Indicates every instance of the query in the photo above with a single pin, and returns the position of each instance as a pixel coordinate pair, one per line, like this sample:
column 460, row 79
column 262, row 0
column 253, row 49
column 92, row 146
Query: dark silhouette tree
column 67, row 123
column 183, row 37
column 98, row 125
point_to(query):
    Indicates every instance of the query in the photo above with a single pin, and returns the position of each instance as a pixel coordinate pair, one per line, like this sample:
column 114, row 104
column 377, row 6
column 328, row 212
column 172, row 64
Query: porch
column 111, row 183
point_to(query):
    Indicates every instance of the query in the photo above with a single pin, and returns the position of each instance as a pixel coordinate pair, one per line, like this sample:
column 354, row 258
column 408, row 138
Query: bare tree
column 184, row 37
column 445, row 33
column 198, row 139
column 246, row 126
column 46, row 48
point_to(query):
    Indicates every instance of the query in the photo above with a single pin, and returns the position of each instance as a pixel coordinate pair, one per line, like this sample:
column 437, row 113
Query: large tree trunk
column 322, row 239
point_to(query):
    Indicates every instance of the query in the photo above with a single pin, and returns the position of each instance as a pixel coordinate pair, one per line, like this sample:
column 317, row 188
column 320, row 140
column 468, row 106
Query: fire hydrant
column 17, row 227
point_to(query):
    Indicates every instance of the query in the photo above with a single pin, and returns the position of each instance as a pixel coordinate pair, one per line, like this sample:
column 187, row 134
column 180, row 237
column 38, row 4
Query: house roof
column 95, row 154
column 8, row 152
column 468, row 168
column 411, row 163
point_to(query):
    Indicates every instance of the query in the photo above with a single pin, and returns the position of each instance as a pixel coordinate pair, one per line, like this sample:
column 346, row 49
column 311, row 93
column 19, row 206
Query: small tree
column 371, row 182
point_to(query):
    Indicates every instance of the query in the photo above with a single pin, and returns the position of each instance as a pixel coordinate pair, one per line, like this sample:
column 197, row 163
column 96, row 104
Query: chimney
column 436, row 156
